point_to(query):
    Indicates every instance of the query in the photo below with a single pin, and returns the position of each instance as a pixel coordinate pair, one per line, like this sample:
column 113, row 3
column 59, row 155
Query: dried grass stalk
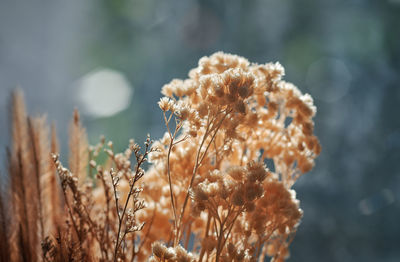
column 78, row 149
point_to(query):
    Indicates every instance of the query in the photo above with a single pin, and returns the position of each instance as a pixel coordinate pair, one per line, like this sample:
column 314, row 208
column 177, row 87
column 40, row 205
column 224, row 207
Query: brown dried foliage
column 208, row 195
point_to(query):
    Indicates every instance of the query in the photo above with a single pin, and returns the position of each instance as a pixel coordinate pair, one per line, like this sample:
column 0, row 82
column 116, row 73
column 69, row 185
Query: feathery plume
column 78, row 149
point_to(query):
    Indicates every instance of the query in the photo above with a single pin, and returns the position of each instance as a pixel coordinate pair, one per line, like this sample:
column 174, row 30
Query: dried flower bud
column 203, row 109
column 240, row 107
column 193, row 132
column 169, row 253
column 158, row 249
column 199, row 193
column 181, row 255
column 253, row 191
column 256, row 171
column 304, row 164
column 164, row 104
column 92, row 164
column 250, row 206
column 238, row 197
column 243, row 91
column 184, row 113
column 236, row 172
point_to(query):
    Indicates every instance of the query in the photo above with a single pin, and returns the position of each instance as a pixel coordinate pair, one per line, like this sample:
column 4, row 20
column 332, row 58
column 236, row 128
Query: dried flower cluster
column 218, row 189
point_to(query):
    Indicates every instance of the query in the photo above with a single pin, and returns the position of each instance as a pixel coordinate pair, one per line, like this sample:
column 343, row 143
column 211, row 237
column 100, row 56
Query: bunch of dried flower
column 223, row 124
column 208, row 195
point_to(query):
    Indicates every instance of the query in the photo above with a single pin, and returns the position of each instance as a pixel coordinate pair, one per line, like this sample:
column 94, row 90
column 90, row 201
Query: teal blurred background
column 111, row 58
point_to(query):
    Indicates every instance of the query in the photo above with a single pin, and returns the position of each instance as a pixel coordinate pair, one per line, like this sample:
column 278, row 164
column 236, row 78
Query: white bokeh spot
column 104, row 93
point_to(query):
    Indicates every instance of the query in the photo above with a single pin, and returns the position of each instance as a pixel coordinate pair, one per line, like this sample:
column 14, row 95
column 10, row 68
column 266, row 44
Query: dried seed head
column 256, row 171
column 240, row 107
column 158, row 249
column 164, row 104
column 184, row 113
column 238, row 197
column 236, row 172
column 199, row 193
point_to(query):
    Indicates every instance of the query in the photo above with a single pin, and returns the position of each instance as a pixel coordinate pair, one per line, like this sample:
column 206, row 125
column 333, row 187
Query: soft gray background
column 345, row 53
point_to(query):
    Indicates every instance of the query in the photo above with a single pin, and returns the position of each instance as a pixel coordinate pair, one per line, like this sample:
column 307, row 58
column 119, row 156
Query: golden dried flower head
column 158, row 249
column 236, row 172
column 165, row 104
column 256, row 171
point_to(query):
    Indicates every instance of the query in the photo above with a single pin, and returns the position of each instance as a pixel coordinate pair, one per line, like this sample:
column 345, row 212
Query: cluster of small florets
column 238, row 186
column 230, row 117
column 228, row 89
column 176, row 254
column 273, row 221
column 254, row 101
column 65, row 175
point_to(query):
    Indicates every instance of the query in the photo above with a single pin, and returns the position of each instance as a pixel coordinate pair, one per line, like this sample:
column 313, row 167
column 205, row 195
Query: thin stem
column 146, row 235
column 220, row 239
column 176, row 238
column 72, row 217
column 188, row 233
column 200, row 160
column 205, row 236
column 140, row 160
column 212, row 138
column 114, row 184
column 107, row 212
column 232, row 224
column 172, row 137
column 258, row 248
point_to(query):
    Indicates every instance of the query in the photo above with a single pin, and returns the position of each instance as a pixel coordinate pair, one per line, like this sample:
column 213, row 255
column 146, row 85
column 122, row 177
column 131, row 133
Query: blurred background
column 110, row 59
